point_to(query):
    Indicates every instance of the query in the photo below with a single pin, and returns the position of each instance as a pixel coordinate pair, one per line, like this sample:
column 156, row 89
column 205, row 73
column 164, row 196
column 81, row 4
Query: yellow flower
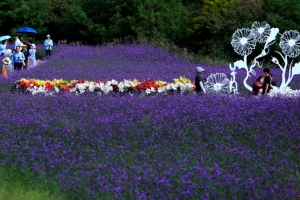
column 182, row 79
column 159, row 83
column 24, row 80
column 135, row 81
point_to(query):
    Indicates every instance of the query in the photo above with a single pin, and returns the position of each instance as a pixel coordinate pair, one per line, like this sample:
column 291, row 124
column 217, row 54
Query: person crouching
column 199, row 80
column 258, row 85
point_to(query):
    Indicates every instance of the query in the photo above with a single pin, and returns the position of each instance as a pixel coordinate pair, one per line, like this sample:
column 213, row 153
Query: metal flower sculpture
column 233, row 86
column 290, row 43
column 218, row 83
column 261, row 30
column 244, row 41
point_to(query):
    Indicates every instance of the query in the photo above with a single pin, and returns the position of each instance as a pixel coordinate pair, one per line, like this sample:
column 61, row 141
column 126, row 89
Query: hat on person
column 199, row 69
column 33, row 46
column 48, row 35
column 6, row 61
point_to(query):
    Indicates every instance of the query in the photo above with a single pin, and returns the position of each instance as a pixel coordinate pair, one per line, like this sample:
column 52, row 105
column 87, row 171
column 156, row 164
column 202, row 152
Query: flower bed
column 148, row 86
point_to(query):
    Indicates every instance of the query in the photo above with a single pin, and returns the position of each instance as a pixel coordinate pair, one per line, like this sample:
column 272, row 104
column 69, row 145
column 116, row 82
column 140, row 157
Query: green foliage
column 23, row 13
column 202, row 26
column 283, row 14
column 20, row 185
column 159, row 18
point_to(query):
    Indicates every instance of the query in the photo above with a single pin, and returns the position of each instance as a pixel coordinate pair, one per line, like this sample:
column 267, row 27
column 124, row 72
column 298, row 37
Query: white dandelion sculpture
column 244, row 41
column 290, row 46
column 218, row 83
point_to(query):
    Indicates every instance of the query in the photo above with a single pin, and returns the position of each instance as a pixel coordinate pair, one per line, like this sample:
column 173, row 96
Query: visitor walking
column 258, row 85
column 267, row 81
column 17, row 42
column 48, row 45
column 32, row 56
column 18, row 59
column 26, row 54
column 199, row 80
column 7, row 65
column 29, row 42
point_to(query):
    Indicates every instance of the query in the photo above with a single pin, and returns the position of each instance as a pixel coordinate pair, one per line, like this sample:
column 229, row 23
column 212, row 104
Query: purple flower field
column 150, row 147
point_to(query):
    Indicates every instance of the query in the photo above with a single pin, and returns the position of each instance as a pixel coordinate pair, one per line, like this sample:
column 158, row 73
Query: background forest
column 201, row 26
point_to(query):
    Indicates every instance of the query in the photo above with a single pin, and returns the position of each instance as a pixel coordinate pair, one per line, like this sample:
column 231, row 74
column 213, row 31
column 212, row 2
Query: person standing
column 7, row 65
column 29, row 42
column 3, row 47
column 18, row 59
column 17, row 42
column 26, row 54
column 48, row 45
column 199, row 80
column 267, row 81
column 32, row 57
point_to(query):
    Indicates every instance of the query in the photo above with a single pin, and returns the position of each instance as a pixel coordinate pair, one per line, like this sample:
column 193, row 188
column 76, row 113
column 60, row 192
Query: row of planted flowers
column 149, row 86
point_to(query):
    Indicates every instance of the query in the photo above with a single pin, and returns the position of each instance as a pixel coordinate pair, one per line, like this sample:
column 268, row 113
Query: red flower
column 65, row 88
column 48, row 86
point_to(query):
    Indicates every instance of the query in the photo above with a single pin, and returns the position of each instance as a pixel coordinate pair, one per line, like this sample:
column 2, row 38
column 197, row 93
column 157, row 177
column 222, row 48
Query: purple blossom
column 150, row 147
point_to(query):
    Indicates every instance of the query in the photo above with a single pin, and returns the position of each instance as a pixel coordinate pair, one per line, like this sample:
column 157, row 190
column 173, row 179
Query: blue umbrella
column 26, row 30
column 4, row 37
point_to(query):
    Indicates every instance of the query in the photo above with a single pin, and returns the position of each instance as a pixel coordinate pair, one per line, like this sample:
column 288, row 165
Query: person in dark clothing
column 26, row 54
column 29, row 42
column 199, row 80
column 267, row 81
column 273, row 83
column 258, row 85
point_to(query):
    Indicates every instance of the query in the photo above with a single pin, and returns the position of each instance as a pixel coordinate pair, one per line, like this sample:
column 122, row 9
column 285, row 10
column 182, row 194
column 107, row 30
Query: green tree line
column 204, row 26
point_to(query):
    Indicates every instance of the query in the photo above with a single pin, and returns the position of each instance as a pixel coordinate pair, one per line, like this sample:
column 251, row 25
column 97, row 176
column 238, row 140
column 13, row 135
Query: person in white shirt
column 17, row 43
column 48, row 45
column 32, row 56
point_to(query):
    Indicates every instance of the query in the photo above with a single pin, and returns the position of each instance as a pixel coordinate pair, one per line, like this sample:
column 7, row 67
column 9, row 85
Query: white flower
column 218, row 83
column 153, row 90
column 126, row 83
column 91, row 87
column 113, row 82
column 286, row 92
column 56, row 89
column 261, row 30
column 121, row 87
column 106, row 89
column 290, row 43
column 41, row 89
column 148, row 91
column 161, row 89
column 243, row 41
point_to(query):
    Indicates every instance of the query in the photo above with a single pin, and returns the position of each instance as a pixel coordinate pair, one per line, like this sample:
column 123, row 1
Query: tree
column 27, row 13
column 161, row 19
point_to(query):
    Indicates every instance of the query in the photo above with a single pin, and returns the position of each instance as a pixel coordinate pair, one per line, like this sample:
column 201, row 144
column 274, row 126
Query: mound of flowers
column 286, row 92
column 149, row 86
